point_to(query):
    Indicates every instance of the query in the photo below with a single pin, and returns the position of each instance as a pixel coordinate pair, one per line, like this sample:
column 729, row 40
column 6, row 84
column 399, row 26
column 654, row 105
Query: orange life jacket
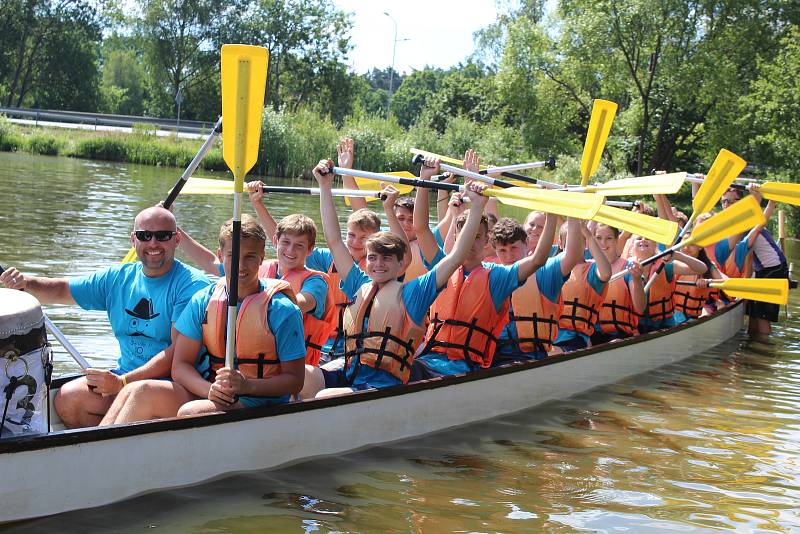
column 416, row 268
column 465, row 325
column 391, row 339
column 729, row 267
column 660, row 297
column 340, row 300
column 256, row 354
column 581, row 302
column 317, row 331
column 617, row 315
column 535, row 318
column 691, row 299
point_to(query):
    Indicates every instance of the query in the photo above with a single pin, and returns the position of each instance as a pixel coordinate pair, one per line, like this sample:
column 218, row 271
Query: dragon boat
column 40, row 471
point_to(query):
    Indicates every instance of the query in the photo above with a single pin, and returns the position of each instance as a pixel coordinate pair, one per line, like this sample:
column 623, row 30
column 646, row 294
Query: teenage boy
column 535, row 306
column 386, row 320
column 270, row 351
column 470, row 313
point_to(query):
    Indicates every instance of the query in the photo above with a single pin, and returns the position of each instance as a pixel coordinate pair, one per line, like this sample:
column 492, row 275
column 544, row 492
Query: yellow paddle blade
column 781, row 192
column 564, row 203
column 244, row 77
column 655, row 228
column 724, row 170
column 207, row 186
column 738, row 218
column 603, row 113
column 130, row 257
column 775, row 291
column 657, row 184
column 443, row 159
column 368, row 184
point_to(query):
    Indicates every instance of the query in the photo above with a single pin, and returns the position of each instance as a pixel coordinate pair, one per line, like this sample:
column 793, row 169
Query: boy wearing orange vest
column 294, row 239
column 584, row 292
column 470, row 313
column 536, row 305
column 386, row 319
column 270, row 351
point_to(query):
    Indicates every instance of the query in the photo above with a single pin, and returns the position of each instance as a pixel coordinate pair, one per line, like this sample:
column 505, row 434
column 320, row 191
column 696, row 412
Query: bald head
column 155, row 218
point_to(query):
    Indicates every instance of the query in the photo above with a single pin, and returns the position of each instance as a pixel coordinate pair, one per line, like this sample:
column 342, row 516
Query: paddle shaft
column 397, row 180
column 419, row 158
column 693, row 178
column 315, row 191
column 59, row 335
column 209, row 142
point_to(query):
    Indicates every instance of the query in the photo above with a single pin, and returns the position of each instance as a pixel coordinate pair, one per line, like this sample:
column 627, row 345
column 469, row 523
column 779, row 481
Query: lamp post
column 391, row 72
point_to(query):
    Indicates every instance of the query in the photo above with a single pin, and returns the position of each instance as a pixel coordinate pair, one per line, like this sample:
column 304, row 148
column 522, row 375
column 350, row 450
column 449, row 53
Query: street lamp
column 391, row 72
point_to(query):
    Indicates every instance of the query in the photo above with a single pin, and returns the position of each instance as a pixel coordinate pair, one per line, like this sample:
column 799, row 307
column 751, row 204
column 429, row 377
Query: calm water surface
column 710, row 445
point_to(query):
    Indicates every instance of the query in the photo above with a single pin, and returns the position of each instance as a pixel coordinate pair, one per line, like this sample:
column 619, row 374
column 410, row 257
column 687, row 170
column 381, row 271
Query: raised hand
column 322, row 173
column 471, row 161
column 474, row 191
column 256, row 191
column 430, row 167
column 345, row 153
column 389, row 194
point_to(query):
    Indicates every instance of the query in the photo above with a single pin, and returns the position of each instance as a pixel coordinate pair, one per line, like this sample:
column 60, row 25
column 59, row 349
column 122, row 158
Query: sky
column 439, row 32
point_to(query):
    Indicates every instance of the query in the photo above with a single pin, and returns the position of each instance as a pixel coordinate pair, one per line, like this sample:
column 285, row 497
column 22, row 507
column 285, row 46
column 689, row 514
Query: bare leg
column 759, row 327
column 333, row 392
column 147, row 399
column 78, row 406
column 313, row 383
column 205, row 406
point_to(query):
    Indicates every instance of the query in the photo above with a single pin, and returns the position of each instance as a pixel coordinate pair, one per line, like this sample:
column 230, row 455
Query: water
column 708, row 445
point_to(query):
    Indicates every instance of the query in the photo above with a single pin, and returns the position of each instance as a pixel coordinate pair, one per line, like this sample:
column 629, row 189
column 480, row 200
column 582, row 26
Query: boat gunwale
column 91, row 434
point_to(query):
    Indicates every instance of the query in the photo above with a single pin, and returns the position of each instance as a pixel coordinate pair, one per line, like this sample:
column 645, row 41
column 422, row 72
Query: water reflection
column 709, row 444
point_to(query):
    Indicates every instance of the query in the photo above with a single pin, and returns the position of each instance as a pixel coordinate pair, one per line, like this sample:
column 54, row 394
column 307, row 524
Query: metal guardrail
column 99, row 119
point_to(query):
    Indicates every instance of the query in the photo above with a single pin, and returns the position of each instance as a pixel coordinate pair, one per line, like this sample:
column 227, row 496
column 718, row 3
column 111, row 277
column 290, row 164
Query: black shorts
column 766, row 310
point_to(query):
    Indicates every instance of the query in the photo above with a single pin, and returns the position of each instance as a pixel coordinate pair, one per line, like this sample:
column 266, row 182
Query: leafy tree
column 412, row 95
column 123, row 84
column 47, row 52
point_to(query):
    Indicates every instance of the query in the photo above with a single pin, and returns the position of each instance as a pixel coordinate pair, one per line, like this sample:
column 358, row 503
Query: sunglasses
column 160, row 235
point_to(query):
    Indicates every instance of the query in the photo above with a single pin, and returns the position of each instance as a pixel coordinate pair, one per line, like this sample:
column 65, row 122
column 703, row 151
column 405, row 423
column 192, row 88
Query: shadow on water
column 712, row 443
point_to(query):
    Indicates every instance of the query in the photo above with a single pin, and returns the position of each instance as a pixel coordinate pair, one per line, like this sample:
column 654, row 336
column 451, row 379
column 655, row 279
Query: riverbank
column 292, row 144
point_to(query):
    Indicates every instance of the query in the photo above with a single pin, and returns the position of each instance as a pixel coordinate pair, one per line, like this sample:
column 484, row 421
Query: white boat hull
column 85, row 468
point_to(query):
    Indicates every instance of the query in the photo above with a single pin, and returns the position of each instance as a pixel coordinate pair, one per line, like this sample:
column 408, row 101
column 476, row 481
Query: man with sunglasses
column 142, row 300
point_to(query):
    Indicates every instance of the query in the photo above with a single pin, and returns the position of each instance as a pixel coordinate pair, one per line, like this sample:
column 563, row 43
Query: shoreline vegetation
column 291, row 144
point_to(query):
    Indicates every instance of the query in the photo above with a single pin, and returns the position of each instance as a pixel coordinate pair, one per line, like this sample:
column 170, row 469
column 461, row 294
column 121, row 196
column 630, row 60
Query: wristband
column 124, row 380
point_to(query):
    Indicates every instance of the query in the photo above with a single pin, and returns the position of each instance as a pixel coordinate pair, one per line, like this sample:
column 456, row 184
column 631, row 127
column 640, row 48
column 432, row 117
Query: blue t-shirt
column 722, row 251
column 141, row 309
column 283, row 318
column 320, row 259
column 549, row 280
column 417, row 294
column 503, row 280
column 597, row 285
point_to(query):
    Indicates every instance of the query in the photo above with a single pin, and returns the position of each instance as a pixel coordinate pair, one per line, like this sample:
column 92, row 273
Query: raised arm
column 425, row 238
column 574, row 252
column 685, row 264
column 600, row 259
column 346, row 155
column 529, row 264
column 47, row 290
column 330, row 222
column 636, row 288
column 389, row 196
column 266, row 219
column 664, row 208
column 768, row 211
column 198, row 254
column 466, row 237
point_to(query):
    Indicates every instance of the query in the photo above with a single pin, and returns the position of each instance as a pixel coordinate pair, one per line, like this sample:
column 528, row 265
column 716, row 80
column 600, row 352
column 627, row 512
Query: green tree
column 123, row 85
column 48, row 55
column 412, row 95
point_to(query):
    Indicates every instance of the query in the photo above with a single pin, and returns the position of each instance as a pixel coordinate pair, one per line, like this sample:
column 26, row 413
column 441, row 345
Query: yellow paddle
column 735, row 219
column 372, row 185
column 657, row 184
column 244, row 78
column 579, row 205
column 655, row 228
column 603, row 113
column 775, row 291
column 781, row 192
column 724, row 170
